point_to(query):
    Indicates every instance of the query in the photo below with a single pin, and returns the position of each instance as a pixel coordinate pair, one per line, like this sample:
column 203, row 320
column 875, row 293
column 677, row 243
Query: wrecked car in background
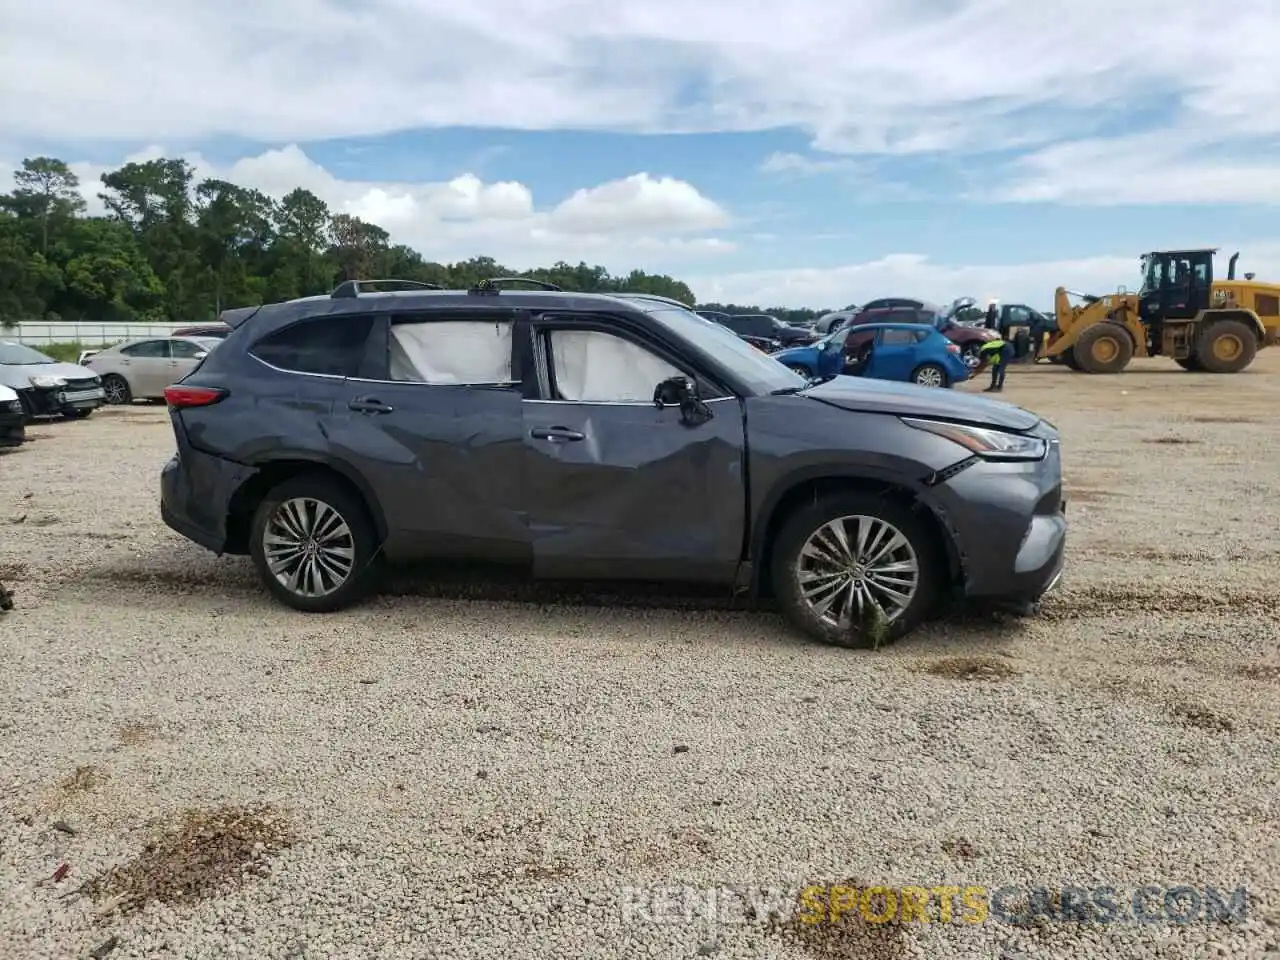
column 597, row 437
column 48, row 387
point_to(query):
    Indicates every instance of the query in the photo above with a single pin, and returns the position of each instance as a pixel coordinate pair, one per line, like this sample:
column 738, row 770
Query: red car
column 219, row 330
column 968, row 339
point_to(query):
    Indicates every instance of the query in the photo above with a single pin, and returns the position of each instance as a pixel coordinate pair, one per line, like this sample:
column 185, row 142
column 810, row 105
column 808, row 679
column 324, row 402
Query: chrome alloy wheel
column 854, row 561
column 929, row 377
column 116, row 390
column 308, row 547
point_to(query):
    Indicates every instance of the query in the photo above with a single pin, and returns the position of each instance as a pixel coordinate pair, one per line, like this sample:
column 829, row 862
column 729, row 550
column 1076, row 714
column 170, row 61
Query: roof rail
column 655, row 297
column 491, row 285
column 353, row 288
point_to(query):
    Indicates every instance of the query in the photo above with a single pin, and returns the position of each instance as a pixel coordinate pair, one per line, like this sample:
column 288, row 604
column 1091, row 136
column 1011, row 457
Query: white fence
column 90, row 334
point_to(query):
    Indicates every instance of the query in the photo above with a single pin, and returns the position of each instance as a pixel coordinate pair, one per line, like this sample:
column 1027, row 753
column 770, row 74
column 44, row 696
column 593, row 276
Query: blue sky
column 782, row 155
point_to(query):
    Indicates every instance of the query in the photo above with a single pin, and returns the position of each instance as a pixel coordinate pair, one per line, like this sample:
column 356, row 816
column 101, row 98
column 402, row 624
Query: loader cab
column 1176, row 284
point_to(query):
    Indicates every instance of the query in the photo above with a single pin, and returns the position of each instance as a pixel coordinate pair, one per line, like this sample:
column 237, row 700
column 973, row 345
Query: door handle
column 556, row 434
column 369, row 405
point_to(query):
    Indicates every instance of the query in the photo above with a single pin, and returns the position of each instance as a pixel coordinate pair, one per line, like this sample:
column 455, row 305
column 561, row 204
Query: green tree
column 178, row 249
column 47, row 192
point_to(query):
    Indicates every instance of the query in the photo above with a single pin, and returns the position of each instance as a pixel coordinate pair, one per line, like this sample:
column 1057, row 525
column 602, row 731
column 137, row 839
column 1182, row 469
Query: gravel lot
column 469, row 769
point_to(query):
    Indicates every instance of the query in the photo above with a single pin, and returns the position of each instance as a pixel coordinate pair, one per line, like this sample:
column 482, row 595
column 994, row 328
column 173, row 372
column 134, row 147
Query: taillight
column 952, row 348
column 180, row 397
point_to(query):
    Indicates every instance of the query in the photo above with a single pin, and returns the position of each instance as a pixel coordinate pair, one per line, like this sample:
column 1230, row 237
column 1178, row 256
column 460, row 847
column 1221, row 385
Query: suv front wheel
column 313, row 544
column 856, row 570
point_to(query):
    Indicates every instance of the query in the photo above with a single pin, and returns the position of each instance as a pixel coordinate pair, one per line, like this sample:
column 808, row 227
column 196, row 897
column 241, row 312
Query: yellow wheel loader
column 1180, row 312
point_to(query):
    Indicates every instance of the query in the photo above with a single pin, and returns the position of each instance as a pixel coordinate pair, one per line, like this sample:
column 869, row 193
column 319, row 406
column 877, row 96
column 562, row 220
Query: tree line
column 175, row 249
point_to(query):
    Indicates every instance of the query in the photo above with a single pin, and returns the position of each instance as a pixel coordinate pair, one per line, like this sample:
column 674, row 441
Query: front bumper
column 1008, row 527
column 53, row 401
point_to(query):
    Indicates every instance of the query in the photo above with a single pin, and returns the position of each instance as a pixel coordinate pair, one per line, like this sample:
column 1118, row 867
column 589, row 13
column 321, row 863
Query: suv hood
column 19, row 375
column 909, row 400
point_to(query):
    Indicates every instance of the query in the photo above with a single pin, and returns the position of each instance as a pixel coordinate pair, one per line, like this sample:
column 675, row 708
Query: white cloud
column 914, row 275
column 637, row 221
column 1141, row 169
column 795, row 163
column 878, row 76
column 642, row 202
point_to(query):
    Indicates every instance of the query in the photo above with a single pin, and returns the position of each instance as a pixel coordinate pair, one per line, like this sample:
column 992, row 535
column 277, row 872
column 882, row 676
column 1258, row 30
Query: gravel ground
column 451, row 772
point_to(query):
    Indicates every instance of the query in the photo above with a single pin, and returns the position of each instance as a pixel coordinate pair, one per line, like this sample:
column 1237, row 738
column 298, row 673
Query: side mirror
column 673, row 392
column 683, row 393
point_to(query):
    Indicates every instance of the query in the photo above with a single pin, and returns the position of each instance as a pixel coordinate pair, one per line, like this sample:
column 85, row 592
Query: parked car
column 968, row 339
column 907, row 352
column 141, row 369
column 48, row 387
column 582, row 435
column 215, row 331
column 829, row 322
column 13, row 419
column 764, row 327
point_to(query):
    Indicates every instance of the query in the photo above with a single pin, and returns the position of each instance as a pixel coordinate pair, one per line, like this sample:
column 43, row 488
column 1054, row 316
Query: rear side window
column 148, row 349
column 898, row 337
column 447, row 352
column 333, row 346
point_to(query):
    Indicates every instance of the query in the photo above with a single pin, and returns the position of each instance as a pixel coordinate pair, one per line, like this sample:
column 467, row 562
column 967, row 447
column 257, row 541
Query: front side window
column 591, row 366
column 186, row 350
column 451, row 352
column 330, row 346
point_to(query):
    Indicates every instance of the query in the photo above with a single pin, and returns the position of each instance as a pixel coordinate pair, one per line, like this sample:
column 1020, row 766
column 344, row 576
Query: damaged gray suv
column 600, row 437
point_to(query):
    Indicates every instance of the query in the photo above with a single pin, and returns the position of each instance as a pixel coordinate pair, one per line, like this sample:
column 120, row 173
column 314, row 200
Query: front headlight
column 48, row 383
column 981, row 442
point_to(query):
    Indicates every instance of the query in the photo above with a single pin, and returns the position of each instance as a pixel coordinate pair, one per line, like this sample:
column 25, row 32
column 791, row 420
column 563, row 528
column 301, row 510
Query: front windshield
column 759, row 371
column 1151, row 273
column 20, row 355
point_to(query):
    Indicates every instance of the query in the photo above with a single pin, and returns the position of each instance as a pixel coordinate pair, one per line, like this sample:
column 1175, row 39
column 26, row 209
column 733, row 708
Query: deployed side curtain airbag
column 596, row 367
column 445, row 352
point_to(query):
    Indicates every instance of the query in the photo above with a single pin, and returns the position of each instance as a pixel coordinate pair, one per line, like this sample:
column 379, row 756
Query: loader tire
column 1104, row 348
column 1226, row 346
column 1191, row 363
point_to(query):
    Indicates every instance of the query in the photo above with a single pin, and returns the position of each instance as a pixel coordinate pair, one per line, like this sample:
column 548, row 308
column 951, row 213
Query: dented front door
column 629, row 490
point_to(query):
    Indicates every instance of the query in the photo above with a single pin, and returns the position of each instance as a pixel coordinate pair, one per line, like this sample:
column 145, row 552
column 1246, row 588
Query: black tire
column 77, row 414
column 939, row 375
column 1104, row 348
column 117, row 389
column 1068, row 359
column 1190, row 363
column 784, row 566
column 1219, row 333
column 363, row 541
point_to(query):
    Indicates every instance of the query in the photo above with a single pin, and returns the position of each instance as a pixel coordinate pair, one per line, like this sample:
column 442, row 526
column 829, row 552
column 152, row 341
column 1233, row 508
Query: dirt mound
column 201, row 856
column 968, row 668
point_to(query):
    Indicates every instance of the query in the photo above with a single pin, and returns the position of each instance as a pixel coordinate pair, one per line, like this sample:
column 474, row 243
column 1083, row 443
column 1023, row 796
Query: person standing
column 993, row 315
column 997, row 353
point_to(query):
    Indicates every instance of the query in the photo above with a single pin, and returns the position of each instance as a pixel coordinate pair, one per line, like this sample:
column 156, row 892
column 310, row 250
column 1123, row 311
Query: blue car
column 907, row 352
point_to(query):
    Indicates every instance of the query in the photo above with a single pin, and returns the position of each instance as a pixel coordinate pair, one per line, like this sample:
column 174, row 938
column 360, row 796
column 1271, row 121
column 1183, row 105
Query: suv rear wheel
column 856, row 570
column 314, row 545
